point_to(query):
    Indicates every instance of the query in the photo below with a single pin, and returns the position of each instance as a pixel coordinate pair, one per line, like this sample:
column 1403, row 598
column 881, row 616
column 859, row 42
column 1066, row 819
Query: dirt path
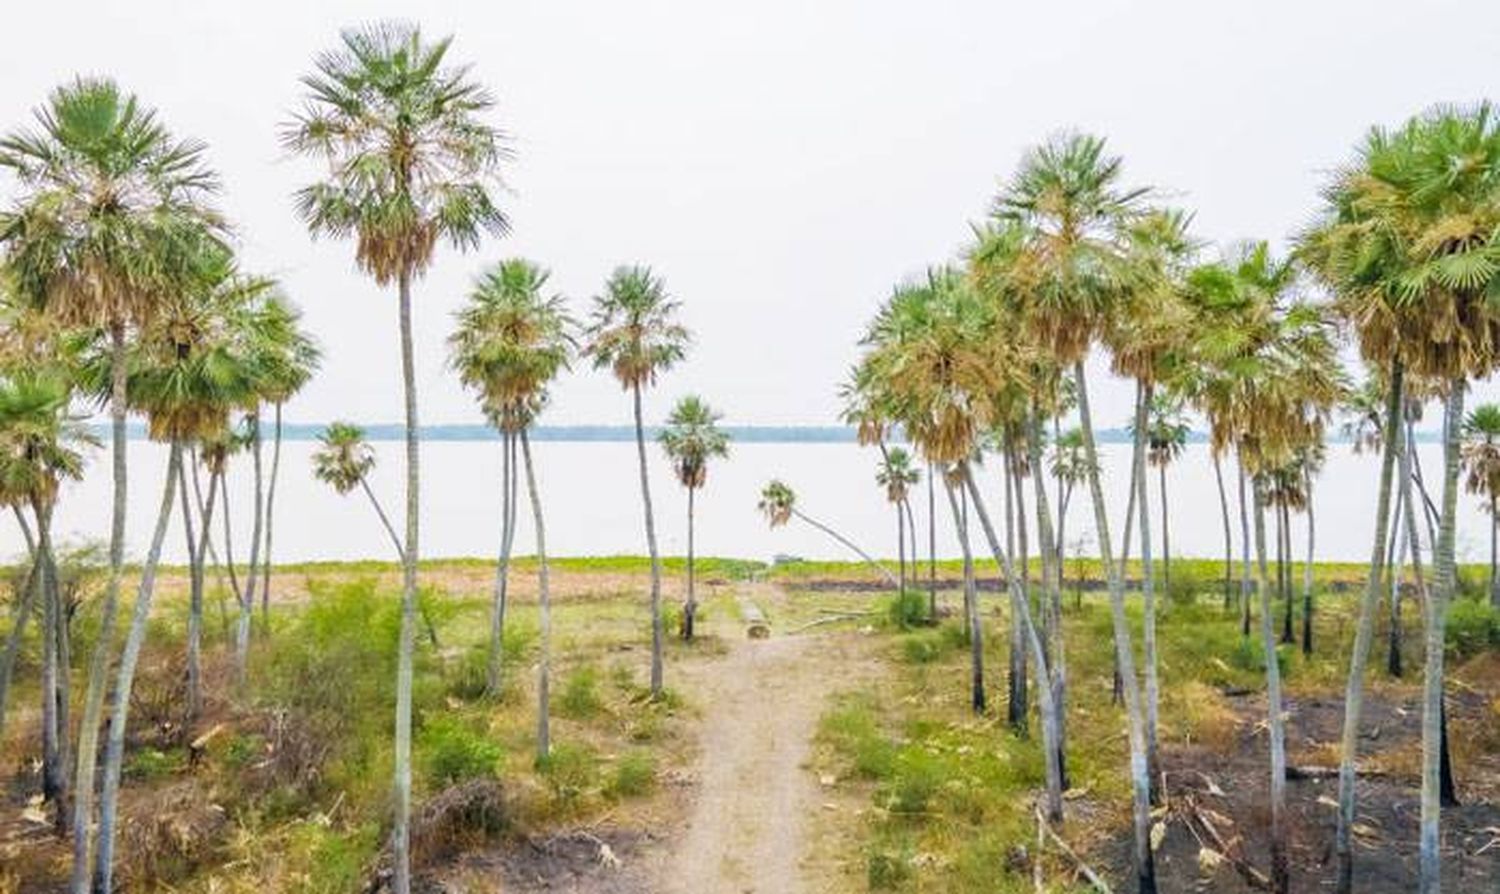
column 744, row 833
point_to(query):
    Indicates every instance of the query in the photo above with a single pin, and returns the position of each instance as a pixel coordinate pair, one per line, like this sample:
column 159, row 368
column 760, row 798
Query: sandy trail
column 745, row 830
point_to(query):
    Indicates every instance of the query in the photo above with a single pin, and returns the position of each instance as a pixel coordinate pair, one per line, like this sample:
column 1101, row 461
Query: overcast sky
column 781, row 163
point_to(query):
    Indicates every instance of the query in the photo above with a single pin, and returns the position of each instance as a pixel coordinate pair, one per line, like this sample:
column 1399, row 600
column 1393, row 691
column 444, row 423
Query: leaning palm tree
column 343, row 460
column 1407, row 242
column 411, row 162
column 1481, row 457
column 1068, row 195
column 692, row 438
column 778, row 503
column 513, row 339
column 897, row 476
column 109, row 207
column 635, row 334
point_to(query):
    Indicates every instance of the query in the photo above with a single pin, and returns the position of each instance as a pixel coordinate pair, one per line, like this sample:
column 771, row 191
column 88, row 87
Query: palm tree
column 411, row 162
column 692, row 438
column 897, row 476
column 110, row 205
column 512, row 339
column 1166, row 439
column 343, row 461
column 1069, row 464
column 778, row 503
column 42, row 444
column 1406, row 243
column 1481, row 456
column 1067, row 193
column 635, row 334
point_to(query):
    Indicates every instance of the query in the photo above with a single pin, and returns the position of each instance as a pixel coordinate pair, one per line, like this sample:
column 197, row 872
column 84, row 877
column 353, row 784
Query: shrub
column 580, row 695
column 1473, row 627
column 571, row 770
column 918, row 774
column 453, row 752
column 907, row 609
column 922, row 648
column 635, row 775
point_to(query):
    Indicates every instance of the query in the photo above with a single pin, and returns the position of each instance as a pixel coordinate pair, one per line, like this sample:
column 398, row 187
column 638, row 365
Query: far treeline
column 121, row 288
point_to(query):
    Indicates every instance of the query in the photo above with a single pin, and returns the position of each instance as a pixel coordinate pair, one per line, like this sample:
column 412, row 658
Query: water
column 591, row 497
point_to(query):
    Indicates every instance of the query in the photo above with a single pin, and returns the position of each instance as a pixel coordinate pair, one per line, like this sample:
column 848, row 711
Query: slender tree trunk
column 690, row 609
column 1145, row 865
column 1280, row 869
column 493, row 665
column 544, row 607
column 1244, row 551
column 400, row 828
column 1283, row 558
column 21, row 615
column 1015, row 699
column 114, row 754
column 93, row 701
column 234, row 577
column 1228, row 537
column 848, row 544
column 64, row 648
column 1494, row 530
column 900, row 549
column 195, row 548
column 53, row 774
column 1166, row 539
column 1148, row 596
column 1023, row 582
column 1050, row 750
column 1396, row 565
column 257, row 530
column 1056, row 654
column 914, row 560
column 265, row 568
column 1307, row 571
column 971, row 607
column 657, row 645
column 1364, row 630
column 932, row 609
column 1430, row 864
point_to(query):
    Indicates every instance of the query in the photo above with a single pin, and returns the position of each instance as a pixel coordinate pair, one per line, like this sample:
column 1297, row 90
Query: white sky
column 781, row 163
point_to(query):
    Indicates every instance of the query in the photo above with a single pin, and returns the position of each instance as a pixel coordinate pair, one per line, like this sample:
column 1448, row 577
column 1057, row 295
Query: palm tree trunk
column 900, row 549
column 1228, row 537
column 1354, row 690
column 1145, row 865
column 257, row 530
column 1023, row 582
column 1052, row 572
column 1284, row 530
column 1396, row 563
column 1280, row 869
column 690, row 610
column 1244, row 552
column 502, row 572
column 93, row 700
column 848, row 544
column 400, row 828
column 656, row 629
column 1166, row 539
column 544, row 607
column 1429, row 875
column 195, row 597
column 971, row 607
column 265, row 568
column 1307, row 570
column 1051, row 752
column 234, row 577
column 1015, row 699
column 1148, row 595
column 914, row 562
column 1494, row 530
column 114, row 754
column 931, row 546
column 52, row 770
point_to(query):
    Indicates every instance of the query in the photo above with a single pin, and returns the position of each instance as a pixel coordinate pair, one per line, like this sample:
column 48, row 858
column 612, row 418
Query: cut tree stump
column 756, row 625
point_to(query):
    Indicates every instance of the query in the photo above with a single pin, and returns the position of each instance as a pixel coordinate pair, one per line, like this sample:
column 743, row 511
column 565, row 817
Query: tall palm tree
column 109, row 207
column 692, row 438
column 1481, row 457
column 635, row 334
column 512, row 340
column 1407, row 242
column 1166, row 439
column 411, row 162
column 778, row 503
column 1067, row 192
column 896, row 475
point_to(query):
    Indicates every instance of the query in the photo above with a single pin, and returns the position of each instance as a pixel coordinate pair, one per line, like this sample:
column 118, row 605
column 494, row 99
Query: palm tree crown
column 777, row 502
column 897, row 474
column 693, row 437
column 343, row 458
column 634, row 332
column 41, row 441
column 410, row 159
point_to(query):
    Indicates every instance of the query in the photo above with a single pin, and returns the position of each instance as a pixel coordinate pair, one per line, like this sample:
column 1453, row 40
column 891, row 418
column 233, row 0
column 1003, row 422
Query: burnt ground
column 1229, row 789
column 604, row 860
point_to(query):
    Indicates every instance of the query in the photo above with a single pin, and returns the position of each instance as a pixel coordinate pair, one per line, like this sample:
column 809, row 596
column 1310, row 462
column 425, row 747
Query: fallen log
column 756, row 625
column 831, row 619
column 1099, row 884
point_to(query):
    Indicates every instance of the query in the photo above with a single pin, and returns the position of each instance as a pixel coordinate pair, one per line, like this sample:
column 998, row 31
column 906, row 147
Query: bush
column 917, row 776
column 452, row 752
column 580, row 695
column 1473, row 627
column 922, row 648
column 571, row 770
column 634, row 775
column 907, row 609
